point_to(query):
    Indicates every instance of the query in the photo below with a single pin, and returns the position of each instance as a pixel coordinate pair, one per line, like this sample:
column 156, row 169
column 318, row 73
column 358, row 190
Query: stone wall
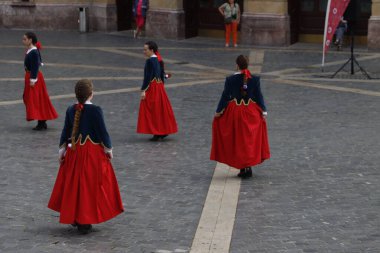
column 374, row 26
column 265, row 22
column 166, row 19
column 61, row 15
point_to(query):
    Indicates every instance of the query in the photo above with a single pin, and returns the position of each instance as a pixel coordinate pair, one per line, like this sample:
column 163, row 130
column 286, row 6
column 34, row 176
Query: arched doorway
column 124, row 14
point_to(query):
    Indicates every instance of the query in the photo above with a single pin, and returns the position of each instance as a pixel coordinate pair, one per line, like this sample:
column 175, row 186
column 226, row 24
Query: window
column 322, row 5
column 307, row 5
column 366, row 6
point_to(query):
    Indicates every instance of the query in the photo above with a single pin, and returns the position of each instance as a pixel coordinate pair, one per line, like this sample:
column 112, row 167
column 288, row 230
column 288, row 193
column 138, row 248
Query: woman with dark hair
column 140, row 8
column 239, row 131
column 86, row 190
column 36, row 98
column 156, row 115
column 231, row 14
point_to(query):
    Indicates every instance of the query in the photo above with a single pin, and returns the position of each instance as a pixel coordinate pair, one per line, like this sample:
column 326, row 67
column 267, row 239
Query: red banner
column 334, row 12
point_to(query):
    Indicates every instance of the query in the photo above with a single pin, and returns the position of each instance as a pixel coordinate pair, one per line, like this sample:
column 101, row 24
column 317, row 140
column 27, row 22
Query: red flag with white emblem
column 334, row 12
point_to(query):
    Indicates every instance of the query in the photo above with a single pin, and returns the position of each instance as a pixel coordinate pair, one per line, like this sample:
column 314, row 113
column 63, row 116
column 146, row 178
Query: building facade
column 264, row 22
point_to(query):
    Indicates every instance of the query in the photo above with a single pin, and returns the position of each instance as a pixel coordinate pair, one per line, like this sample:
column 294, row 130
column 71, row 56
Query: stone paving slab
column 318, row 193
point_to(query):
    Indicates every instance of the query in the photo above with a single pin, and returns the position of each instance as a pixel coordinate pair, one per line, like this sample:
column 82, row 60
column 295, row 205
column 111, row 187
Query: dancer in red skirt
column 86, row 190
column 239, row 131
column 140, row 8
column 36, row 98
column 156, row 114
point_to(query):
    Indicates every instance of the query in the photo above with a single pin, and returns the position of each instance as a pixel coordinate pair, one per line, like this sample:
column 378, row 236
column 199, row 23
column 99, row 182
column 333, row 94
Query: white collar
column 237, row 73
column 30, row 49
column 154, row 55
column 88, row 102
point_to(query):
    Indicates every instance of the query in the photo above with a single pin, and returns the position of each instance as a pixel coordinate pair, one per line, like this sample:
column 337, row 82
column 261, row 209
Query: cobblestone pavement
column 318, row 193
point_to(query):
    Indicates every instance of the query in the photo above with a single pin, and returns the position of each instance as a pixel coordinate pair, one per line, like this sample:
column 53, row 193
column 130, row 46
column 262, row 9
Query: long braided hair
column 83, row 90
column 242, row 62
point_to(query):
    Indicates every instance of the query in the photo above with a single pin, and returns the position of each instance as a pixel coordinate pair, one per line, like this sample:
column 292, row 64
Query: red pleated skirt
column 86, row 190
column 37, row 101
column 239, row 136
column 140, row 21
column 156, row 114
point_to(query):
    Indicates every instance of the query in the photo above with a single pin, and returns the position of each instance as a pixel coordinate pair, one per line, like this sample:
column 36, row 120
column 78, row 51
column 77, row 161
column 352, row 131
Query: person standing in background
column 36, row 98
column 339, row 34
column 140, row 8
column 231, row 14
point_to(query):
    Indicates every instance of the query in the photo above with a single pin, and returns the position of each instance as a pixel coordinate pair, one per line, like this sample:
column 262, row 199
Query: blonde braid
column 83, row 90
column 75, row 128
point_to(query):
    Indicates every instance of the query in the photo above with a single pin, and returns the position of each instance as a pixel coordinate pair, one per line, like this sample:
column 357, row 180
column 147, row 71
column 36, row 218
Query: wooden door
column 124, row 14
column 293, row 7
column 191, row 8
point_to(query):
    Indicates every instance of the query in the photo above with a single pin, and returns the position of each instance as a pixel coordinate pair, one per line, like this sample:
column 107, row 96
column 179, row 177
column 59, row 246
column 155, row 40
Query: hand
column 108, row 152
column 61, row 155
column 32, row 83
column 109, row 155
column 265, row 114
column 218, row 114
column 61, row 160
column 143, row 95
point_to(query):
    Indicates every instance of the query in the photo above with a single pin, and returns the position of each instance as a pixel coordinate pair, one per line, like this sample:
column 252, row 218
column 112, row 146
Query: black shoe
column 41, row 125
column 163, row 136
column 248, row 173
column 155, row 138
column 241, row 173
column 84, row 229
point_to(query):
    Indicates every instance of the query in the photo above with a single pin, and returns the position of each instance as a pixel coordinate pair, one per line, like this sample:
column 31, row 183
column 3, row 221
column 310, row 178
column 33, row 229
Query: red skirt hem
column 36, row 99
column 86, row 190
column 156, row 115
column 239, row 136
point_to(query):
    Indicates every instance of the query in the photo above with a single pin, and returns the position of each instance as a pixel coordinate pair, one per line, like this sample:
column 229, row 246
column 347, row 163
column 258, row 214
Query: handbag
column 228, row 20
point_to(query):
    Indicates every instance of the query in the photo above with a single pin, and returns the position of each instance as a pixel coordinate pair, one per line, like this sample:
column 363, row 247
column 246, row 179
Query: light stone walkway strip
column 99, row 78
column 118, row 91
column 327, row 87
column 216, row 224
column 166, row 60
column 256, row 58
column 217, row 221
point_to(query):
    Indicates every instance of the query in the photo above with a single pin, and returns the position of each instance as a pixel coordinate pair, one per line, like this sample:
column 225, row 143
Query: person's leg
column 139, row 24
column 234, row 33
column 228, row 34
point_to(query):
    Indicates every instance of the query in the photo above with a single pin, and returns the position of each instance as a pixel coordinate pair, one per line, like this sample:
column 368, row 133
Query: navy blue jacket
column 91, row 125
column 232, row 90
column 32, row 63
column 152, row 70
column 145, row 6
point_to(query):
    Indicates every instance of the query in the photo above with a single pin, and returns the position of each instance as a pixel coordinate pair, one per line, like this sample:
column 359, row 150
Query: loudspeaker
column 352, row 13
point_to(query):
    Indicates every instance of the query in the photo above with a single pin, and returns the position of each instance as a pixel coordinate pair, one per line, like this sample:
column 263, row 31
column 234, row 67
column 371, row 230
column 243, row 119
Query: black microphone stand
column 352, row 59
